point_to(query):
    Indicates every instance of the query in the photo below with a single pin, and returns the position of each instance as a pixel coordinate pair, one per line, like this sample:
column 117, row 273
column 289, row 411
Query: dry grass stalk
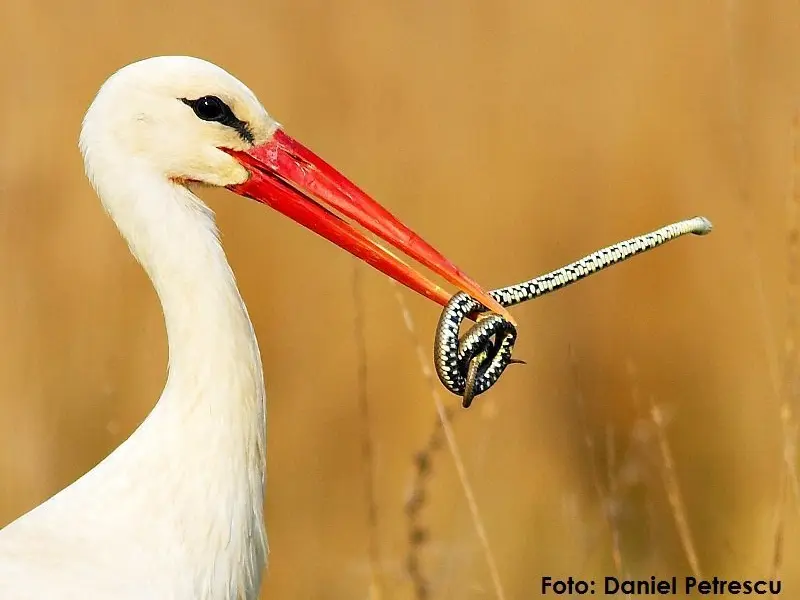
column 788, row 420
column 452, row 445
column 791, row 379
column 672, row 487
column 668, row 471
column 367, row 444
column 613, row 496
column 605, row 497
column 417, row 532
column 791, row 376
column 778, row 542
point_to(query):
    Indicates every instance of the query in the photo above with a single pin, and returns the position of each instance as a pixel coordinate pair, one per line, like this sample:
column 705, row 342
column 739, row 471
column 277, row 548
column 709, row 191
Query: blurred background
column 652, row 430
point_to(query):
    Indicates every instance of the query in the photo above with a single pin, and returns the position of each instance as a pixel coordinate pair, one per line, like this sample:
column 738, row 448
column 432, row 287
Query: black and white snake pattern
column 471, row 364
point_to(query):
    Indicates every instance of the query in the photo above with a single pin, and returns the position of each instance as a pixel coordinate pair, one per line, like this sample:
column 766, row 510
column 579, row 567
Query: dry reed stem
column 367, row 444
column 604, row 496
column 644, row 437
column 452, row 445
column 668, row 472
column 780, row 525
column 673, row 489
column 791, row 377
column 614, row 496
column 417, row 533
column 788, row 420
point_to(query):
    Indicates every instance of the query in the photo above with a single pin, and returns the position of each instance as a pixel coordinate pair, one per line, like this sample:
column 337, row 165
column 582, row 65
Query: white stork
column 176, row 511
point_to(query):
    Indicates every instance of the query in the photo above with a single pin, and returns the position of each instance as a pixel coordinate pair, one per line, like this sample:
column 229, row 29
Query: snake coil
column 471, row 364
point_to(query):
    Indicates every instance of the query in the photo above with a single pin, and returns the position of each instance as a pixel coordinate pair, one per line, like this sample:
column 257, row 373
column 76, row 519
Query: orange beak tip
column 497, row 308
column 507, row 316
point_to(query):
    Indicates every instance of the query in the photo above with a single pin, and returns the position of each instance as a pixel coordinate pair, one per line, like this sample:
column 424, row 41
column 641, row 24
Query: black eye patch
column 211, row 108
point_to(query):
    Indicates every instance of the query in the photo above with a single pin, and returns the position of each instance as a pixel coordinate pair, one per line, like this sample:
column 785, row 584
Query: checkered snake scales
column 471, row 364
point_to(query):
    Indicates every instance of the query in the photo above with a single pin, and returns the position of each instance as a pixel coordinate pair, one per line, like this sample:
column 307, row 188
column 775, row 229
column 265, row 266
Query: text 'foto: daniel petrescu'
column 657, row 587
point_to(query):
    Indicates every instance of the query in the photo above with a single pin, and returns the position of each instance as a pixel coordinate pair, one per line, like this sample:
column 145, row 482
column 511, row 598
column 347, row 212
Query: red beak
column 290, row 178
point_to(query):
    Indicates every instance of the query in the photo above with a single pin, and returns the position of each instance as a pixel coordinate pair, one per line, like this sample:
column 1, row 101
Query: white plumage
column 176, row 512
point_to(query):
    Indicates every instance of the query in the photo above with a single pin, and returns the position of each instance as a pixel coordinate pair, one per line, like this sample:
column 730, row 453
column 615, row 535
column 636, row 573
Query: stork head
column 190, row 121
column 176, row 113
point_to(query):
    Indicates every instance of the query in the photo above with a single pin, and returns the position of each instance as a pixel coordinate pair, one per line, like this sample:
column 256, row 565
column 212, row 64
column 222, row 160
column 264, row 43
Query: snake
column 469, row 364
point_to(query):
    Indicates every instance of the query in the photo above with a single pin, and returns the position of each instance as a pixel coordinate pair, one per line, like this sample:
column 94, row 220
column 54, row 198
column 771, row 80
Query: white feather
column 176, row 512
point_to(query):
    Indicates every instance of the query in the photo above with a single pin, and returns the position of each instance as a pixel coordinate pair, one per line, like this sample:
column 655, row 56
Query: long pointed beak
column 290, row 178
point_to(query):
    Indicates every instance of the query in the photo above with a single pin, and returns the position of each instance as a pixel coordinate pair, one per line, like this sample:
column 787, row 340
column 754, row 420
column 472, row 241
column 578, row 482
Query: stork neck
column 210, row 419
column 174, row 237
column 214, row 361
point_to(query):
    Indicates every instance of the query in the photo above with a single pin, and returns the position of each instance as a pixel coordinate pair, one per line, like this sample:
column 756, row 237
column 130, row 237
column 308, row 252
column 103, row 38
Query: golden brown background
column 515, row 136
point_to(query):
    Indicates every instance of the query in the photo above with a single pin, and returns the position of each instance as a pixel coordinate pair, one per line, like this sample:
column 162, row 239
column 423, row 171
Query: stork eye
column 209, row 108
